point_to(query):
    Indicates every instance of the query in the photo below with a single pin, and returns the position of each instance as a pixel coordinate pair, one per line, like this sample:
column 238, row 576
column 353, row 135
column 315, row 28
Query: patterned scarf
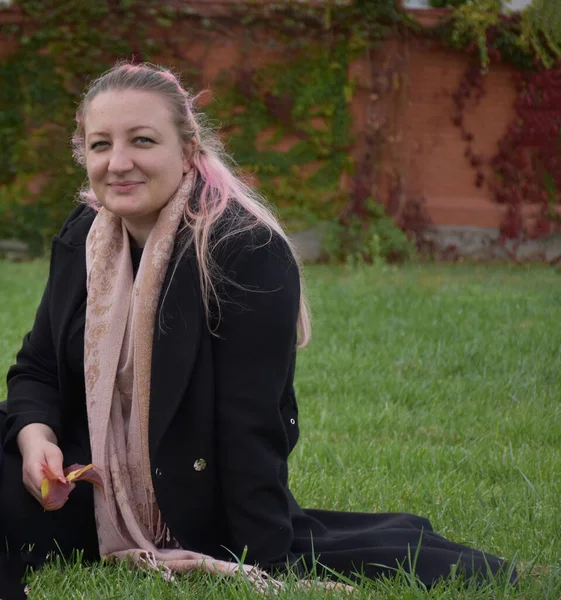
column 120, row 320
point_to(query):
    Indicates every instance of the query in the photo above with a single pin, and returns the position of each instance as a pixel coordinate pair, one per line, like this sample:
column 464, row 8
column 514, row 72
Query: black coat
column 223, row 415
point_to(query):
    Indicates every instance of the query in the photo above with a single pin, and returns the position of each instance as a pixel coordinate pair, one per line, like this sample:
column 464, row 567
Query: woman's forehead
column 127, row 109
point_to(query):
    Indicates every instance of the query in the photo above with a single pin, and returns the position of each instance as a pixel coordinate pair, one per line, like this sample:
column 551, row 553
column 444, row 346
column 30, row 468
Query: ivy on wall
column 524, row 172
column 307, row 99
column 540, row 32
column 307, row 102
column 60, row 46
column 303, row 99
column 287, row 123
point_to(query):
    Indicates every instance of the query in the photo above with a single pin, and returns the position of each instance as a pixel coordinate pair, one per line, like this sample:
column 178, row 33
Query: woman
column 163, row 351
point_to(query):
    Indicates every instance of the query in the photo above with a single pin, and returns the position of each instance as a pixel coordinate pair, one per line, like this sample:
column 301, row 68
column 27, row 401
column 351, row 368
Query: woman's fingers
column 37, row 456
column 53, row 460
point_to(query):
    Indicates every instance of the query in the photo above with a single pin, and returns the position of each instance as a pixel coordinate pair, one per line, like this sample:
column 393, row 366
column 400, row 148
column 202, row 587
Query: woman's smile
column 125, row 187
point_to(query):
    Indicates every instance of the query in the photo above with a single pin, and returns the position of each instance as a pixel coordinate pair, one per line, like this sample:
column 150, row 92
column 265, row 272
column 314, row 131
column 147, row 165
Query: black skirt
column 353, row 544
column 28, row 533
column 374, row 545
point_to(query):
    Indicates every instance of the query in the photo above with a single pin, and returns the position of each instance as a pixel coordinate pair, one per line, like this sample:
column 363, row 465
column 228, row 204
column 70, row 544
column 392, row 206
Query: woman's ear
column 188, row 151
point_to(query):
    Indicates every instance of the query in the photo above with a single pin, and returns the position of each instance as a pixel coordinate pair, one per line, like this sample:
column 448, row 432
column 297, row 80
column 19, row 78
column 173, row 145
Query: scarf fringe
column 259, row 580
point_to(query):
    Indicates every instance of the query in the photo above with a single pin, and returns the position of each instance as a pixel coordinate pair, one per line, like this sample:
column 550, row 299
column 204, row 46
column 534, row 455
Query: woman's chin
column 124, row 206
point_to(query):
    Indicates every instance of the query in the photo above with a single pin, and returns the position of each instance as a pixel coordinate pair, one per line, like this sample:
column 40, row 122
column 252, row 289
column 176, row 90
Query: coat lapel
column 68, row 279
column 177, row 336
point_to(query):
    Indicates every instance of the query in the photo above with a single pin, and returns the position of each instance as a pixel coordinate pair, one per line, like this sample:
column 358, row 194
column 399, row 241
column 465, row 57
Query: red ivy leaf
column 54, row 492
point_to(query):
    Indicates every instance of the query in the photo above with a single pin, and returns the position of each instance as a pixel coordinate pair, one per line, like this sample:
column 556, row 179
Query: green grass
column 427, row 389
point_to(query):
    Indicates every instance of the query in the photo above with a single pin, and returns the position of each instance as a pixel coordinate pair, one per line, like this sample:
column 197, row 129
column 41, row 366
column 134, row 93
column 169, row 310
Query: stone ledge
column 475, row 243
column 13, row 249
column 482, row 243
column 308, row 243
column 453, row 241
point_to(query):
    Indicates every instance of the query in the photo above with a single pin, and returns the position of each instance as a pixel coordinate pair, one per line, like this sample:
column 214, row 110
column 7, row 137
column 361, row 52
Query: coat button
column 199, row 464
column 158, row 473
column 292, row 421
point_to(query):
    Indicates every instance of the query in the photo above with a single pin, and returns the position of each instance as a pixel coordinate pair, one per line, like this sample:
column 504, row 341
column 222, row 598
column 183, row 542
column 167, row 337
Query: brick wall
column 423, row 149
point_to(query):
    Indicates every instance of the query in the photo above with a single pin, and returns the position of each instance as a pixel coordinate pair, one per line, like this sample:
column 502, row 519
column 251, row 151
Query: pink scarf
column 120, row 318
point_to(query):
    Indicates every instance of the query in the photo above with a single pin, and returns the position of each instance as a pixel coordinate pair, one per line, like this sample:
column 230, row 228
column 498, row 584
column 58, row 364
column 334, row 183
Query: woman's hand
column 38, row 446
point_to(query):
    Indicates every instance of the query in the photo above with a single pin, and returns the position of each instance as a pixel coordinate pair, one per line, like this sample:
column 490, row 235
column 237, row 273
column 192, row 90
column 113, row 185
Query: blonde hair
column 218, row 185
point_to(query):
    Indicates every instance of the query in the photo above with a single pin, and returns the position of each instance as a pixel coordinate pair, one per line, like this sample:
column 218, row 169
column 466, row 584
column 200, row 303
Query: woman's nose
column 120, row 161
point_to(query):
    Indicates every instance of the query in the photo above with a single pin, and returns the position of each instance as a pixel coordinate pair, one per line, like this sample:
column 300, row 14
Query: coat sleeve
column 33, row 384
column 33, row 395
column 252, row 352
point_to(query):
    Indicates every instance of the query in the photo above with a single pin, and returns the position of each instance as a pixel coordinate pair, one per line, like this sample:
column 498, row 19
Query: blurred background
column 380, row 129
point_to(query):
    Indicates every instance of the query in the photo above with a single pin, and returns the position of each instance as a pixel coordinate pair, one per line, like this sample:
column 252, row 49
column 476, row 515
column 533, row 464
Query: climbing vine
column 287, row 121
column 306, row 106
column 528, row 163
column 540, row 32
column 60, row 46
column 522, row 175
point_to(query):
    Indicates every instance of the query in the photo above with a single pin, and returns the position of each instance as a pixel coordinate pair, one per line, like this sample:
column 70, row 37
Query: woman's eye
column 97, row 145
column 143, row 140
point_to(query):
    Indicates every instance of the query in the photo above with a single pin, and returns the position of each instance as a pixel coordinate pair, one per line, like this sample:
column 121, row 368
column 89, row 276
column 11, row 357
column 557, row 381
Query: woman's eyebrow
column 140, row 127
column 130, row 130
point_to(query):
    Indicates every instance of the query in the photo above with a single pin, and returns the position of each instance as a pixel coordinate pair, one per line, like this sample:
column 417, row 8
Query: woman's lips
column 125, row 187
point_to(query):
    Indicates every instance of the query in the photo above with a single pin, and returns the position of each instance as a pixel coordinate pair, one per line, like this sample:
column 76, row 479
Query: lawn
column 428, row 389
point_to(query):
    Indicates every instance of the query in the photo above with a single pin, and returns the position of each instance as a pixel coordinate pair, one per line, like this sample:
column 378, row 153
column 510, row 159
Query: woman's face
column 134, row 156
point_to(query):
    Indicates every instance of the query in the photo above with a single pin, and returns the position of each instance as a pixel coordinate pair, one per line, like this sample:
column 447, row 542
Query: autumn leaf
column 81, row 473
column 54, row 492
